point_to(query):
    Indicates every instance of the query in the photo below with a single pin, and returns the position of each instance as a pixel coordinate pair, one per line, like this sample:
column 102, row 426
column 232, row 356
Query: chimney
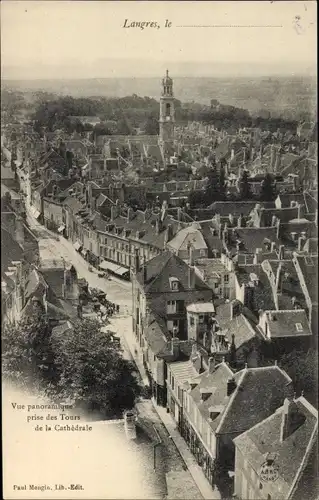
column 137, row 260
column 300, row 243
column 299, row 211
column 239, row 221
column 191, row 277
column 273, row 221
column 281, row 252
column 158, row 226
column 232, row 154
column 272, row 246
column 130, row 214
column 175, row 347
column 316, row 218
column 278, row 227
column 211, row 364
column 144, row 273
column 191, row 255
column 231, row 386
column 19, row 233
column 284, row 421
column 168, row 234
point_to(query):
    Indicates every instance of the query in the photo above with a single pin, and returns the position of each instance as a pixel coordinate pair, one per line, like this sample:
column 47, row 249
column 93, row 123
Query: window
column 226, row 278
column 202, row 252
column 201, row 318
column 175, row 322
column 260, row 486
column 299, row 327
column 216, row 285
column 192, row 321
column 268, row 497
column 173, row 383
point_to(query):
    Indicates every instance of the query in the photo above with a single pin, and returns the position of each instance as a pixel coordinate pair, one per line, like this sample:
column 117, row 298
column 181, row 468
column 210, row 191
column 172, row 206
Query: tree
column 151, row 125
column 27, row 357
column 216, row 187
column 302, row 367
column 268, row 190
column 244, row 187
column 92, row 370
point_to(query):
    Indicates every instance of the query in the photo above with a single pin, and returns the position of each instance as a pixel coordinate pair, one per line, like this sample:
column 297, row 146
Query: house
column 219, row 275
column 284, row 324
column 277, row 459
column 219, row 405
column 190, row 235
column 253, row 288
column 307, row 270
column 166, row 285
column 236, row 337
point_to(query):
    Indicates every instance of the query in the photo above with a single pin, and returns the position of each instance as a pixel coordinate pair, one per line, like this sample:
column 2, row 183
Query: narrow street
column 166, row 458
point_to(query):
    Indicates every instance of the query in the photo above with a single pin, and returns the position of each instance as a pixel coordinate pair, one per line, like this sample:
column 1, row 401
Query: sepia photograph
column 159, row 250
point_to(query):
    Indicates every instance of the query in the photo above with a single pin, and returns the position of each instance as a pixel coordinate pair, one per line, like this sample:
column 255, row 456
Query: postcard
column 159, row 241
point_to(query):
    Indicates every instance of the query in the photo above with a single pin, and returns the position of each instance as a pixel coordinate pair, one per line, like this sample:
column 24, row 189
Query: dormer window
column 174, row 284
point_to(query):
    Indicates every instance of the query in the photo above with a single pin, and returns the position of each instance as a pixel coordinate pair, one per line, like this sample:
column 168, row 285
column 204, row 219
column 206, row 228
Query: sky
column 81, row 39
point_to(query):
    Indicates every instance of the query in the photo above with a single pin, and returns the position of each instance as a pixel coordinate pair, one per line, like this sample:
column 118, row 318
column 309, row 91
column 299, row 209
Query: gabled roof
column 188, row 235
column 291, row 454
column 216, row 383
column 259, row 392
column 288, row 323
column 161, row 268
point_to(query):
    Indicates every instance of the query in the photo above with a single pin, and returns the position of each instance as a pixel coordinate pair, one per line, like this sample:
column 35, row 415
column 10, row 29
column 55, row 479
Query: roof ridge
column 297, row 477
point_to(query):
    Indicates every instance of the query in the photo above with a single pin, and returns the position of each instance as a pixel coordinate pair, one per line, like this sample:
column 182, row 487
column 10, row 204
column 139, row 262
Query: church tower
column 167, row 112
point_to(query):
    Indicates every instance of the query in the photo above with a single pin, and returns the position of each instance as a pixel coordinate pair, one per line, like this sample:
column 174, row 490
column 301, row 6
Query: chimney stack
column 130, row 214
column 299, row 211
column 278, row 227
column 300, row 242
column 158, row 226
column 316, row 217
column 175, row 346
column 191, row 277
column 113, row 213
column 273, row 221
column 168, row 234
column 284, row 421
column 144, row 273
column 281, row 252
column 137, row 260
column 191, row 255
column 272, row 246
column 239, row 221
column 231, row 386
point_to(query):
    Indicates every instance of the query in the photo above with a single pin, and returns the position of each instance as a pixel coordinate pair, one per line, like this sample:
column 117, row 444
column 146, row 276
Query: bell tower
column 167, row 111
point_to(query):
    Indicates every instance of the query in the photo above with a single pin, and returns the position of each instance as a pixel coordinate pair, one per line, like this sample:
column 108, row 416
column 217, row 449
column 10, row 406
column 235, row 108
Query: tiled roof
column 183, row 371
column 239, row 326
column 264, row 439
column 161, row 268
column 262, row 296
column 188, row 235
column 289, row 323
column 217, row 383
column 259, row 392
column 232, row 207
column 309, row 268
column 251, row 238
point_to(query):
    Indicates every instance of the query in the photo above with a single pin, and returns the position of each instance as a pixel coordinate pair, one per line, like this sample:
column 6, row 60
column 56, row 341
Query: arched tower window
column 168, row 109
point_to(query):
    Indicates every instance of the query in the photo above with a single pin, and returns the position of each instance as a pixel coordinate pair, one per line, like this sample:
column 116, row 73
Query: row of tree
column 216, row 189
column 82, row 364
column 123, row 115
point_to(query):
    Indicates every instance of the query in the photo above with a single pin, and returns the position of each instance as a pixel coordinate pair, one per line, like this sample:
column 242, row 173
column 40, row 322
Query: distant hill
column 279, row 95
